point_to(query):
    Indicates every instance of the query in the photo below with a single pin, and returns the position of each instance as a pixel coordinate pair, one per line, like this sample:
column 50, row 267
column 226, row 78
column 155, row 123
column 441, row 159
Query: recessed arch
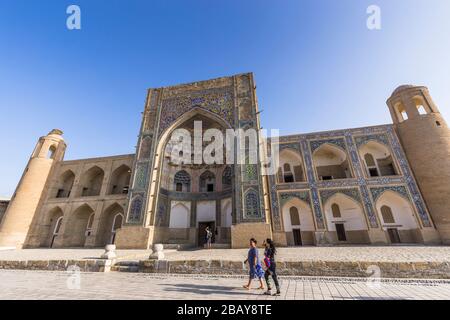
column 345, row 219
column 179, row 215
column 377, row 159
column 331, row 162
column 291, row 167
column 305, row 215
column 52, row 229
column 91, row 182
column 207, row 181
column 298, row 222
column 404, row 220
column 182, row 181
column 65, row 184
column 76, row 227
column 120, row 180
column 108, row 224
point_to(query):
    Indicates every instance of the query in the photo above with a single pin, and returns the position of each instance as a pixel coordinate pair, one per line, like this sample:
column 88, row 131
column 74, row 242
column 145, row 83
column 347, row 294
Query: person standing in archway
column 209, row 236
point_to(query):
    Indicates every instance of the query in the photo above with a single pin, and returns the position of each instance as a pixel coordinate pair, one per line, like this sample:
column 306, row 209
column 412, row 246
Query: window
column 57, row 226
column 336, row 210
column 51, row 152
column 207, row 181
column 295, row 219
column 373, row 172
column 326, row 178
column 404, row 115
column 371, row 165
column 369, row 160
column 288, row 178
column 438, row 123
column 387, row 215
column 227, row 178
column 89, row 225
column 60, row 193
column 182, row 181
column 287, row 167
column 421, row 109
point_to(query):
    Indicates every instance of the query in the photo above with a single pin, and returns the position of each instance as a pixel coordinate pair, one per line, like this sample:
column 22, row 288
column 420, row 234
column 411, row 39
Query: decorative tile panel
column 327, row 194
column 340, row 143
column 301, row 195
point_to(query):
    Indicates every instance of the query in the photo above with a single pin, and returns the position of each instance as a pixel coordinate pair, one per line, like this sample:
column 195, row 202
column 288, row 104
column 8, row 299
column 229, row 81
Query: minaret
column 18, row 217
column 425, row 137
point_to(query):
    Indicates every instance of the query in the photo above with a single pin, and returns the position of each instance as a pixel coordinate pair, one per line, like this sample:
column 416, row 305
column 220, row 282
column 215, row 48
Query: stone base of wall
column 134, row 237
column 364, row 269
column 418, row 270
column 58, row 265
column 243, row 232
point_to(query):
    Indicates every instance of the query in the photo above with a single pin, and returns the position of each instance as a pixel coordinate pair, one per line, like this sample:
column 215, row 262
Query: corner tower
column 425, row 137
column 31, row 188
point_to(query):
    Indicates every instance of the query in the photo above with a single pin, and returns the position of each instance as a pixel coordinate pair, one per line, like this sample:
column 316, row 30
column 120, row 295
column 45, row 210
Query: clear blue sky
column 316, row 64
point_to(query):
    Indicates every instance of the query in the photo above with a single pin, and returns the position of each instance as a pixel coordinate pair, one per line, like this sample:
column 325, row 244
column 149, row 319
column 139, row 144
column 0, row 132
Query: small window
column 60, row 193
column 84, row 193
column 404, row 115
column 373, row 172
column 421, row 109
column 438, row 123
column 336, row 210
column 179, row 187
column 287, row 167
column 326, row 178
column 288, row 178
column 210, row 187
column 369, row 160
column 387, row 215
column 125, row 190
column 51, row 152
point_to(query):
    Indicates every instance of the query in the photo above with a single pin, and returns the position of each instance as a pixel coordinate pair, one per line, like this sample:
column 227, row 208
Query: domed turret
column 425, row 138
column 31, row 189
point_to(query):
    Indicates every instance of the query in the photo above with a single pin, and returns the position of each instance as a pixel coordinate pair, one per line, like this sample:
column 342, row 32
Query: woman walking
column 255, row 269
column 269, row 261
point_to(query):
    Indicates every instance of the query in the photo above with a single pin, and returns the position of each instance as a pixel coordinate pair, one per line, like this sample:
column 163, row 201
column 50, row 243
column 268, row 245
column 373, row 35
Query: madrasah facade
column 383, row 184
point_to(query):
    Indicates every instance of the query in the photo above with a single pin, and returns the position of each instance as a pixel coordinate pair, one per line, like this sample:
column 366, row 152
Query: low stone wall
column 417, row 270
column 423, row 270
column 57, row 265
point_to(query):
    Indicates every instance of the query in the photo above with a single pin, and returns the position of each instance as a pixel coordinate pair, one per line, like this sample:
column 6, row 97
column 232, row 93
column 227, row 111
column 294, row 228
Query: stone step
column 219, row 246
column 177, row 246
column 125, row 268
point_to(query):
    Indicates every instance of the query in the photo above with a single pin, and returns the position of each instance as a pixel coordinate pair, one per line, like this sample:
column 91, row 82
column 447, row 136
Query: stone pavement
column 342, row 253
column 22, row 284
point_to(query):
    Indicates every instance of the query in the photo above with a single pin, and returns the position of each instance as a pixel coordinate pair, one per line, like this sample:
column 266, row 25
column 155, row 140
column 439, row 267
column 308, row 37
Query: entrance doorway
column 297, row 237
column 393, row 235
column 202, row 232
column 340, row 230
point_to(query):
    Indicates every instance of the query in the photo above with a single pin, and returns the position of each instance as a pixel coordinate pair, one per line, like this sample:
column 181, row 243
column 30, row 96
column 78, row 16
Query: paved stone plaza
column 343, row 253
column 19, row 284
